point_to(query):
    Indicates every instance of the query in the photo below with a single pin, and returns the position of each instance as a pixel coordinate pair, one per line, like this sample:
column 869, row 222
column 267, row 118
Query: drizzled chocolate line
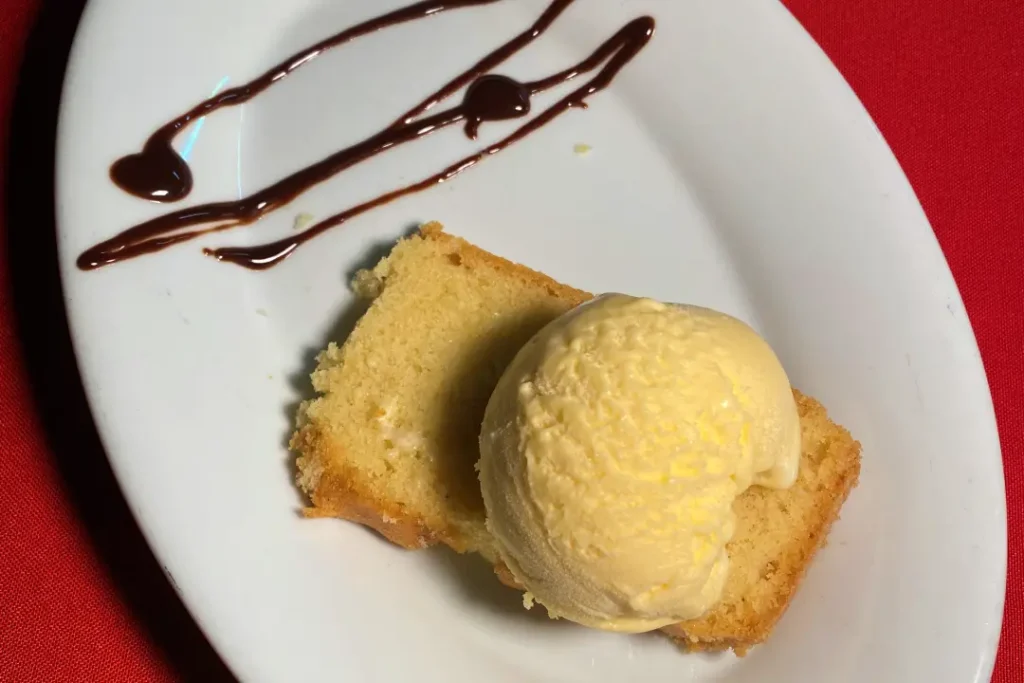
column 623, row 45
column 488, row 98
column 158, row 173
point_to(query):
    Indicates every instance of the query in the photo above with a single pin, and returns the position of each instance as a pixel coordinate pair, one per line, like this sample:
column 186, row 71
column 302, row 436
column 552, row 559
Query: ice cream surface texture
column 612, row 450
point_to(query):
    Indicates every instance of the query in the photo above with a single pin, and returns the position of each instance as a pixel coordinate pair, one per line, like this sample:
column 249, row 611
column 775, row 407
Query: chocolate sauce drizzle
column 159, row 173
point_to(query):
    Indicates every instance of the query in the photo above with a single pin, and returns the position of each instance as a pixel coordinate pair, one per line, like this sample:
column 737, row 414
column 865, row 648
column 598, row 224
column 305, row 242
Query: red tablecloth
column 81, row 598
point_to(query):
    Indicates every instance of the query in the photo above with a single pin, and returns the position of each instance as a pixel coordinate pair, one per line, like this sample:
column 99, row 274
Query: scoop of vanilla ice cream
column 612, row 450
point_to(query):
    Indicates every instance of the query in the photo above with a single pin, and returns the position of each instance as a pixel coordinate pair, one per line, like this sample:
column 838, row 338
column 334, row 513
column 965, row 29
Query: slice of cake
column 391, row 442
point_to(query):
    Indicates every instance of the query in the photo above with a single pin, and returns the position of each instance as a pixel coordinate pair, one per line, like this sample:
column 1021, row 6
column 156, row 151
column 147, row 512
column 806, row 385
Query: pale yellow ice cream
column 613, row 448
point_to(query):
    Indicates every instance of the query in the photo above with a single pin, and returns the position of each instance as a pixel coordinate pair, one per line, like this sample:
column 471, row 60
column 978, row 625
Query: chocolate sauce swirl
column 623, row 46
column 159, row 173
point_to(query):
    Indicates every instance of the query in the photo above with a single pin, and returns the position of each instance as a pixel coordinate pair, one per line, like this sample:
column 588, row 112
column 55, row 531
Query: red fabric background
column 81, row 598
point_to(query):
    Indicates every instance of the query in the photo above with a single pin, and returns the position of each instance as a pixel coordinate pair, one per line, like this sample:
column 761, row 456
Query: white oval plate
column 731, row 167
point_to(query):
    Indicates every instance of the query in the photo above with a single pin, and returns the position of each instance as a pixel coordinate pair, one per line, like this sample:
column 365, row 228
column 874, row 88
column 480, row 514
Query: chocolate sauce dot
column 157, row 173
column 494, row 98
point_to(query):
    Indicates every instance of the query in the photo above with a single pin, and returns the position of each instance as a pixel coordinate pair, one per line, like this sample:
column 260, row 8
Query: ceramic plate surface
column 730, row 166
